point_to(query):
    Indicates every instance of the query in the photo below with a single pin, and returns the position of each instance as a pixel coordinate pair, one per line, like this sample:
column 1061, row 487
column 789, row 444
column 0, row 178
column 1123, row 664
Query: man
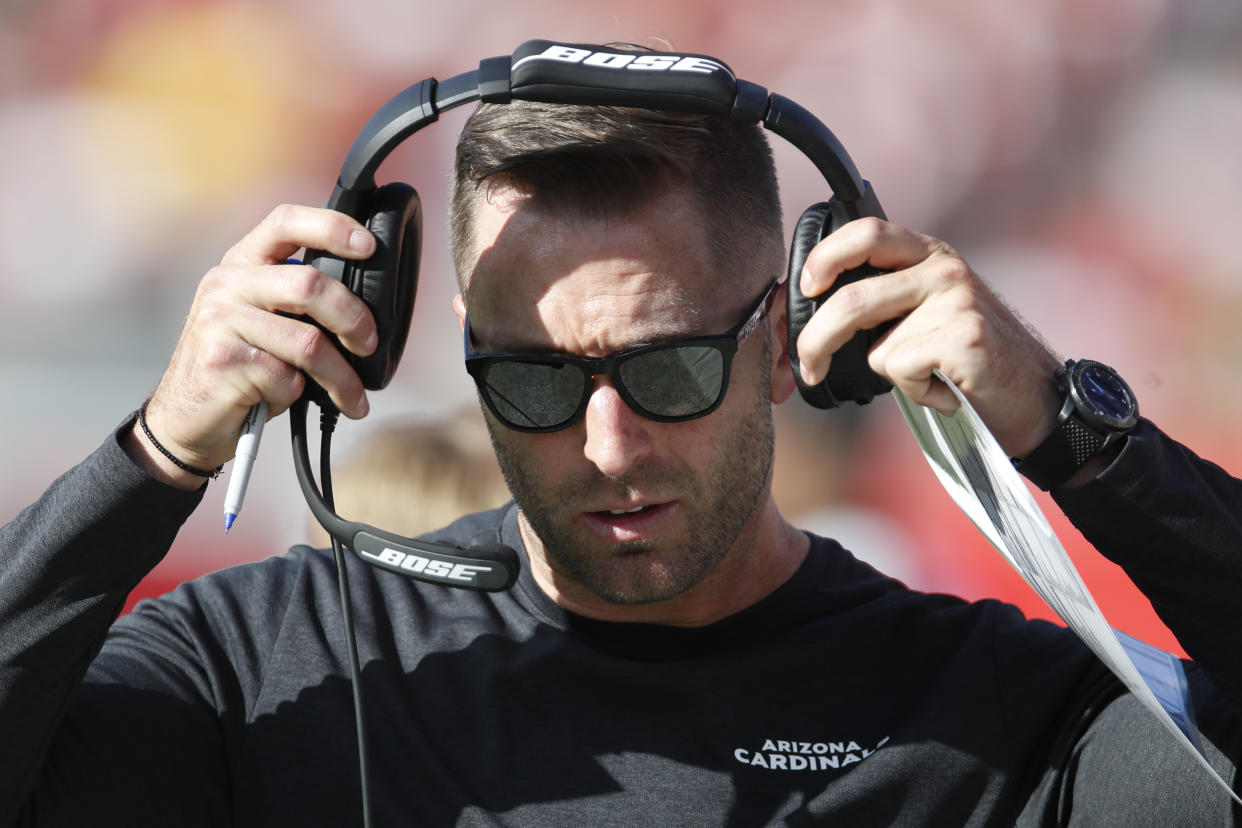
column 675, row 652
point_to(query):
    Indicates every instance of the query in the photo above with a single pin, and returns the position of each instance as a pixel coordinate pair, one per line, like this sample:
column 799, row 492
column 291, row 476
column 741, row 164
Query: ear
column 459, row 305
column 783, row 383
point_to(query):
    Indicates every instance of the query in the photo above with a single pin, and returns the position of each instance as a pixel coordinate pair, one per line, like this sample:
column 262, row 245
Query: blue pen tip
column 229, row 517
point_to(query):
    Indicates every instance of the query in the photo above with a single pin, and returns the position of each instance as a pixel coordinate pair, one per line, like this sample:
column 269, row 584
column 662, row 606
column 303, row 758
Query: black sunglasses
column 671, row 381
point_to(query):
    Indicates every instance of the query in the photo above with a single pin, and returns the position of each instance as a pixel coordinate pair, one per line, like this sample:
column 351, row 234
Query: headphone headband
column 550, row 72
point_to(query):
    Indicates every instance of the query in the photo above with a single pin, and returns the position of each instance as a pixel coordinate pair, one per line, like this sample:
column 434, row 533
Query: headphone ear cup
column 849, row 376
column 388, row 280
column 810, row 229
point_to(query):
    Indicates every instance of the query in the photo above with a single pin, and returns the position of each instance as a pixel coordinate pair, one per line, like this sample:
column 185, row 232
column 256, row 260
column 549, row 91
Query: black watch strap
column 1070, row 445
column 1098, row 409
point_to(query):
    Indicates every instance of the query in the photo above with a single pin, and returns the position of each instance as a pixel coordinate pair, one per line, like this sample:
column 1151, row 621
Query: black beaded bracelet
column 142, row 421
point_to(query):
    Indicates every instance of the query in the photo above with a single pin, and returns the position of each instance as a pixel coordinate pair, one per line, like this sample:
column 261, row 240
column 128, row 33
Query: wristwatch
column 1099, row 411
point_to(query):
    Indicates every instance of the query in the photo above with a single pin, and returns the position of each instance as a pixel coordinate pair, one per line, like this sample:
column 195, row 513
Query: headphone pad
column 849, row 376
column 388, row 280
column 808, row 232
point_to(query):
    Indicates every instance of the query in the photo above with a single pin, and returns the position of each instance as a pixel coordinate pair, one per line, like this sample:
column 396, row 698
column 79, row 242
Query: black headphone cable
column 328, row 416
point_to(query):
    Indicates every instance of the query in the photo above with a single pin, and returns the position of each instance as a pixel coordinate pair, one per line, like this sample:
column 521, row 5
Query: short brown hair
column 565, row 156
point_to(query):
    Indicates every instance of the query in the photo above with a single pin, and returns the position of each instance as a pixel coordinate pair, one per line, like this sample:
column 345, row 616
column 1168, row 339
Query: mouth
column 619, row 512
column 630, row 524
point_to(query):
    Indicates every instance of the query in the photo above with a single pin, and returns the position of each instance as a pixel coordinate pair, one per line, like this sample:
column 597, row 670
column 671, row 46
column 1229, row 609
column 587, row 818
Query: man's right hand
column 236, row 348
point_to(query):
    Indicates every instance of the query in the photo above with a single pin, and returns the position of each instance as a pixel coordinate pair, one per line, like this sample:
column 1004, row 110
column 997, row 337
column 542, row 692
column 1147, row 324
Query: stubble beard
column 716, row 503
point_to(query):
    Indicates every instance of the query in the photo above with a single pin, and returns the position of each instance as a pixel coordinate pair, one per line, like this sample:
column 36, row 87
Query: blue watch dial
column 1104, row 394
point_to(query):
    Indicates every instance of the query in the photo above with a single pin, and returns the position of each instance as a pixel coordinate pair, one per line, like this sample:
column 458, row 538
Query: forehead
column 548, row 280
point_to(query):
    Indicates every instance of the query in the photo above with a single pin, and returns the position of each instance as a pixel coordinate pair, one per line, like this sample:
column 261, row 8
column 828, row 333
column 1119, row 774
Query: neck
column 760, row 560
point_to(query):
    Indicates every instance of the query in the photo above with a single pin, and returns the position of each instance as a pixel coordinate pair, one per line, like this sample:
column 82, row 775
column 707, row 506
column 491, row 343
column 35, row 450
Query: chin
column 636, row 578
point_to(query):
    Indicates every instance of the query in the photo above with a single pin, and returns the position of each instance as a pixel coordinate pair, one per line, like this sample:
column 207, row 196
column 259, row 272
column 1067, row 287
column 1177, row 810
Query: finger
column 866, row 241
column 860, row 305
column 290, row 227
column 213, row 380
column 302, row 290
column 304, row 346
column 258, row 375
column 908, row 359
column 996, row 362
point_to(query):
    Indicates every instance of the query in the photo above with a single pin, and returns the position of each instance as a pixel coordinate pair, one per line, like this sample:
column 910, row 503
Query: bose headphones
column 545, row 71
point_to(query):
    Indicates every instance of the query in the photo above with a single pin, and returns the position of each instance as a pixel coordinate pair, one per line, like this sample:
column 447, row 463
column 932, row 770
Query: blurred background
column 1081, row 154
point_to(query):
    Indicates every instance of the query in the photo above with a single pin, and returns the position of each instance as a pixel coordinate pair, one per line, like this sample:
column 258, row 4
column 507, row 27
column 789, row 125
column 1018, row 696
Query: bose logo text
column 428, row 566
column 637, row 63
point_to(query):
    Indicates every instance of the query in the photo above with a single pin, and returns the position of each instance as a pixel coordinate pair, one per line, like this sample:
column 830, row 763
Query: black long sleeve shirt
column 843, row 697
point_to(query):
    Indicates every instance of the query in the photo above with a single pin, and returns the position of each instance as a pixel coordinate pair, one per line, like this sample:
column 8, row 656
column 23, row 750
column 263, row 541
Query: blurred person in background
column 814, row 462
column 410, row 477
column 674, row 651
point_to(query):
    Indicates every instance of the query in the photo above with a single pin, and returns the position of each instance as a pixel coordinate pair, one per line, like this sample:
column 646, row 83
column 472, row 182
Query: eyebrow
column 475, row 347
column 763, row 304
column 663, row 332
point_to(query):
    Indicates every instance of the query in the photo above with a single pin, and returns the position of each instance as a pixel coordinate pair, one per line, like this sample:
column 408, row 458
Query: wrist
column 1097, row 411
column 1094, row 467
column 142, row 446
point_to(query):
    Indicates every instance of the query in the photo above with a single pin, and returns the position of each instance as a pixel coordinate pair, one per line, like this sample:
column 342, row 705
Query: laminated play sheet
column 983, row 482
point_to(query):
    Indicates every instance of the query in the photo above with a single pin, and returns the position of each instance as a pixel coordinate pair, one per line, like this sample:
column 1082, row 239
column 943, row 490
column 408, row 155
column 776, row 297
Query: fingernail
column 806, row 377
column 372, row 342
column 362, row 242
column 364, row 407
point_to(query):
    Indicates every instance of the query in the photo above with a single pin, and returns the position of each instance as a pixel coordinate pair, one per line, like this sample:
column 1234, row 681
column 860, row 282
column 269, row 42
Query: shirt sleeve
column 1173, row 522
column 70, row 560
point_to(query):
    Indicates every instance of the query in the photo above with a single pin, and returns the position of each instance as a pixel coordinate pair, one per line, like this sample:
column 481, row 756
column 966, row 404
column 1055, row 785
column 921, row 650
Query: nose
column 616, row 435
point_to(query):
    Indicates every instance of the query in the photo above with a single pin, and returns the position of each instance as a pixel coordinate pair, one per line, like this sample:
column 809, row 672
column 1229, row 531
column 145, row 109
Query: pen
column 243, row 462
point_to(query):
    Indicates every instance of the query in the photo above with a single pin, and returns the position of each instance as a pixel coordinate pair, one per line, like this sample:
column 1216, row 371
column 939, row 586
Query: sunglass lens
column 675, row 382
column 534, row 394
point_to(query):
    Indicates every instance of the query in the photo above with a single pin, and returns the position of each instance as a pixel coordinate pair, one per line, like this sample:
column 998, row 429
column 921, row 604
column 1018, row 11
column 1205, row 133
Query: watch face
column 1103, row 394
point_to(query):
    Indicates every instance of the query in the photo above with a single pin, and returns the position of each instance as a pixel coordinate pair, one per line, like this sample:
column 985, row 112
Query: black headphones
column 541, row 70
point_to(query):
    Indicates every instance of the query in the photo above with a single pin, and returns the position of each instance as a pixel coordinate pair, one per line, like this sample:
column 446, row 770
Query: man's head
column 585, row 232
